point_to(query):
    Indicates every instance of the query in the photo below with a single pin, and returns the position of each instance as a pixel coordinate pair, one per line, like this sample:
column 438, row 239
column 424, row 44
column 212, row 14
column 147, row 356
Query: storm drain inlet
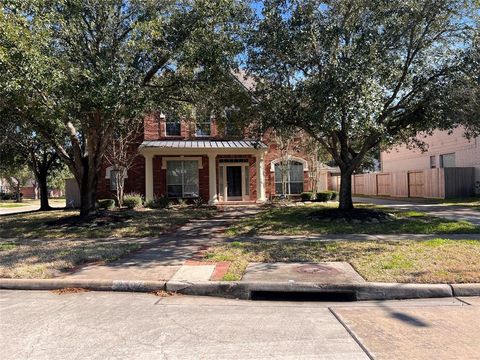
column 303, row 295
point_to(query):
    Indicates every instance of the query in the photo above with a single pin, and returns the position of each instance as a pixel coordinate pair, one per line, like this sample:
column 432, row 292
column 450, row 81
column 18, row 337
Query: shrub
column 106, row 204
column 199, row 202
column 132, row 200
column 334, row 195
column 307, row 196
column 182, row 202
column 158, row 203
column 323, row 196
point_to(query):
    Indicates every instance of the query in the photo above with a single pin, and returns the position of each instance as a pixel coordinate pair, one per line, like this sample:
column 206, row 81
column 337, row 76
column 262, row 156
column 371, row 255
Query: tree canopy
column 361, row 73
column 84, row 66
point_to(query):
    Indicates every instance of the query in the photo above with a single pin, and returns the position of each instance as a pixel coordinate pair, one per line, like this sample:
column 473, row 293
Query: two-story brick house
column 187, row 159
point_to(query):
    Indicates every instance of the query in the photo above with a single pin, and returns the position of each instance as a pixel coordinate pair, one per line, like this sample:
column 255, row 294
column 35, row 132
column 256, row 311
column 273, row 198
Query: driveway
column 18, row 210
column 31, row 205
column 448, row 212
column 103, row 325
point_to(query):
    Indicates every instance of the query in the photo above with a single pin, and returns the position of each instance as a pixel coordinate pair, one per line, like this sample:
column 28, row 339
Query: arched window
column 288, row 177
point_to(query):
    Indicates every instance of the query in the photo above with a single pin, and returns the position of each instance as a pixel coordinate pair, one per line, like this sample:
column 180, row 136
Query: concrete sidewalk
column 457, row 213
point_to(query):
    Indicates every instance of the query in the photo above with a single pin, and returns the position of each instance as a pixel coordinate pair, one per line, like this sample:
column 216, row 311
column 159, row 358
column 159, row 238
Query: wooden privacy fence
column 428, row 183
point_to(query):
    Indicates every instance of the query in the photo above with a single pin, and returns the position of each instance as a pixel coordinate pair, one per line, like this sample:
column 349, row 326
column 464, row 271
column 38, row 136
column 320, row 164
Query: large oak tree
column 359, row 74
column 88, row 65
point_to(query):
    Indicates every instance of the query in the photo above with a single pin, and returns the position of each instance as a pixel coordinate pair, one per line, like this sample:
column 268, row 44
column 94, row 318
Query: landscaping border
column 243, row 290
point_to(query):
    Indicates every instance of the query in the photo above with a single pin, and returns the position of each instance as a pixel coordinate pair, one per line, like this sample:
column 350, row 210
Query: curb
column 97, row 285
column 245, row 290
column 466, row 289
column 365, row 291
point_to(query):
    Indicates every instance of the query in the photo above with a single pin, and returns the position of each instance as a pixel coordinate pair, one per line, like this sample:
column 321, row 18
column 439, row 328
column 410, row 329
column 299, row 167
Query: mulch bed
column 355, row 215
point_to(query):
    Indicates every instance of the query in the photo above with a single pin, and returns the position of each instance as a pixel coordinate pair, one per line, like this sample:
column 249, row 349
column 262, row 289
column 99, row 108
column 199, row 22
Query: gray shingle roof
column 209, row 144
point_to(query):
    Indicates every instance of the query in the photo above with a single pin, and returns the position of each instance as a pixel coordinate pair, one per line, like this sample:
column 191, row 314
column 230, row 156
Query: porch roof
column 204, row 144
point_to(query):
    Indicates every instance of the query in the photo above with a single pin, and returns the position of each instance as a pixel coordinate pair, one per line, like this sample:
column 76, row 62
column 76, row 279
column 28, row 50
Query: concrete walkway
column 448, row 212
column 357, row 237
column 163, row 257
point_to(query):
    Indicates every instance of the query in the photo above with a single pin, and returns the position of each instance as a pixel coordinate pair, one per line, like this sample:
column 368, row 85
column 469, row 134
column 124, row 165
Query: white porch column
column 260, row 174
column 148, row 176
column 212, row 179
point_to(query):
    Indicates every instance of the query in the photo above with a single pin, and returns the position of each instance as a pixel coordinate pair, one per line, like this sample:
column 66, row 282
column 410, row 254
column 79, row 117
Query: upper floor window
column 203, row 127
column 447, row 160
column 172, row 125
column 433, row 162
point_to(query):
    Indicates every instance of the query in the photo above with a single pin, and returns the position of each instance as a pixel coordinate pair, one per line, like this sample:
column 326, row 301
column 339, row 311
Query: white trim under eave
column 180, row 158
column 289, row 158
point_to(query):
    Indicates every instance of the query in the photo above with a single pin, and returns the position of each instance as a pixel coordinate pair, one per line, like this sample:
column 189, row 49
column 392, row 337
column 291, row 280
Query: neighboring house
column 29, row 191
column 199, row 159
column 443, row 150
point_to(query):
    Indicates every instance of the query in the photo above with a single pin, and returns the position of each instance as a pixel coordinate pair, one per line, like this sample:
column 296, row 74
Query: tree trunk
column 88, row 193
column 345, row 201
column 18, row 195
column 42, row 185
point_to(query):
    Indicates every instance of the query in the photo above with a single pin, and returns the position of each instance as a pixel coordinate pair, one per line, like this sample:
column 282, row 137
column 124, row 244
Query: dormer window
column 172, row 126
column 203, row 127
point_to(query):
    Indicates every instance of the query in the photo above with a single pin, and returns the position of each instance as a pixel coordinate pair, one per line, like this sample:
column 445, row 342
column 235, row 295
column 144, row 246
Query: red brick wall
column 29, row 192
column 154, row 129
column 151, row 127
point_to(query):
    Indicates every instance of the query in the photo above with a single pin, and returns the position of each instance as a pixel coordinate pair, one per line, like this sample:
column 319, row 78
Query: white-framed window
column 433, row 162
column 110, row 175
column 203, row 127
column 113, row 180
column 289, row 177
column 182, row 178
column 447, row 160
column 172, row 125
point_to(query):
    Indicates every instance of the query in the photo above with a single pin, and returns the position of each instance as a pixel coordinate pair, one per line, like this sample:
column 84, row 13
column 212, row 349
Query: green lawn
column 64, row 224
column 431, row 261
column 55, row 202
column 4, row 204
column 315, row 219
column 48, row 243
column 40, row 259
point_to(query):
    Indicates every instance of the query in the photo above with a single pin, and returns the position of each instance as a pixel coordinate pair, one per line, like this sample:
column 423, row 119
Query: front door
column 234, row 182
